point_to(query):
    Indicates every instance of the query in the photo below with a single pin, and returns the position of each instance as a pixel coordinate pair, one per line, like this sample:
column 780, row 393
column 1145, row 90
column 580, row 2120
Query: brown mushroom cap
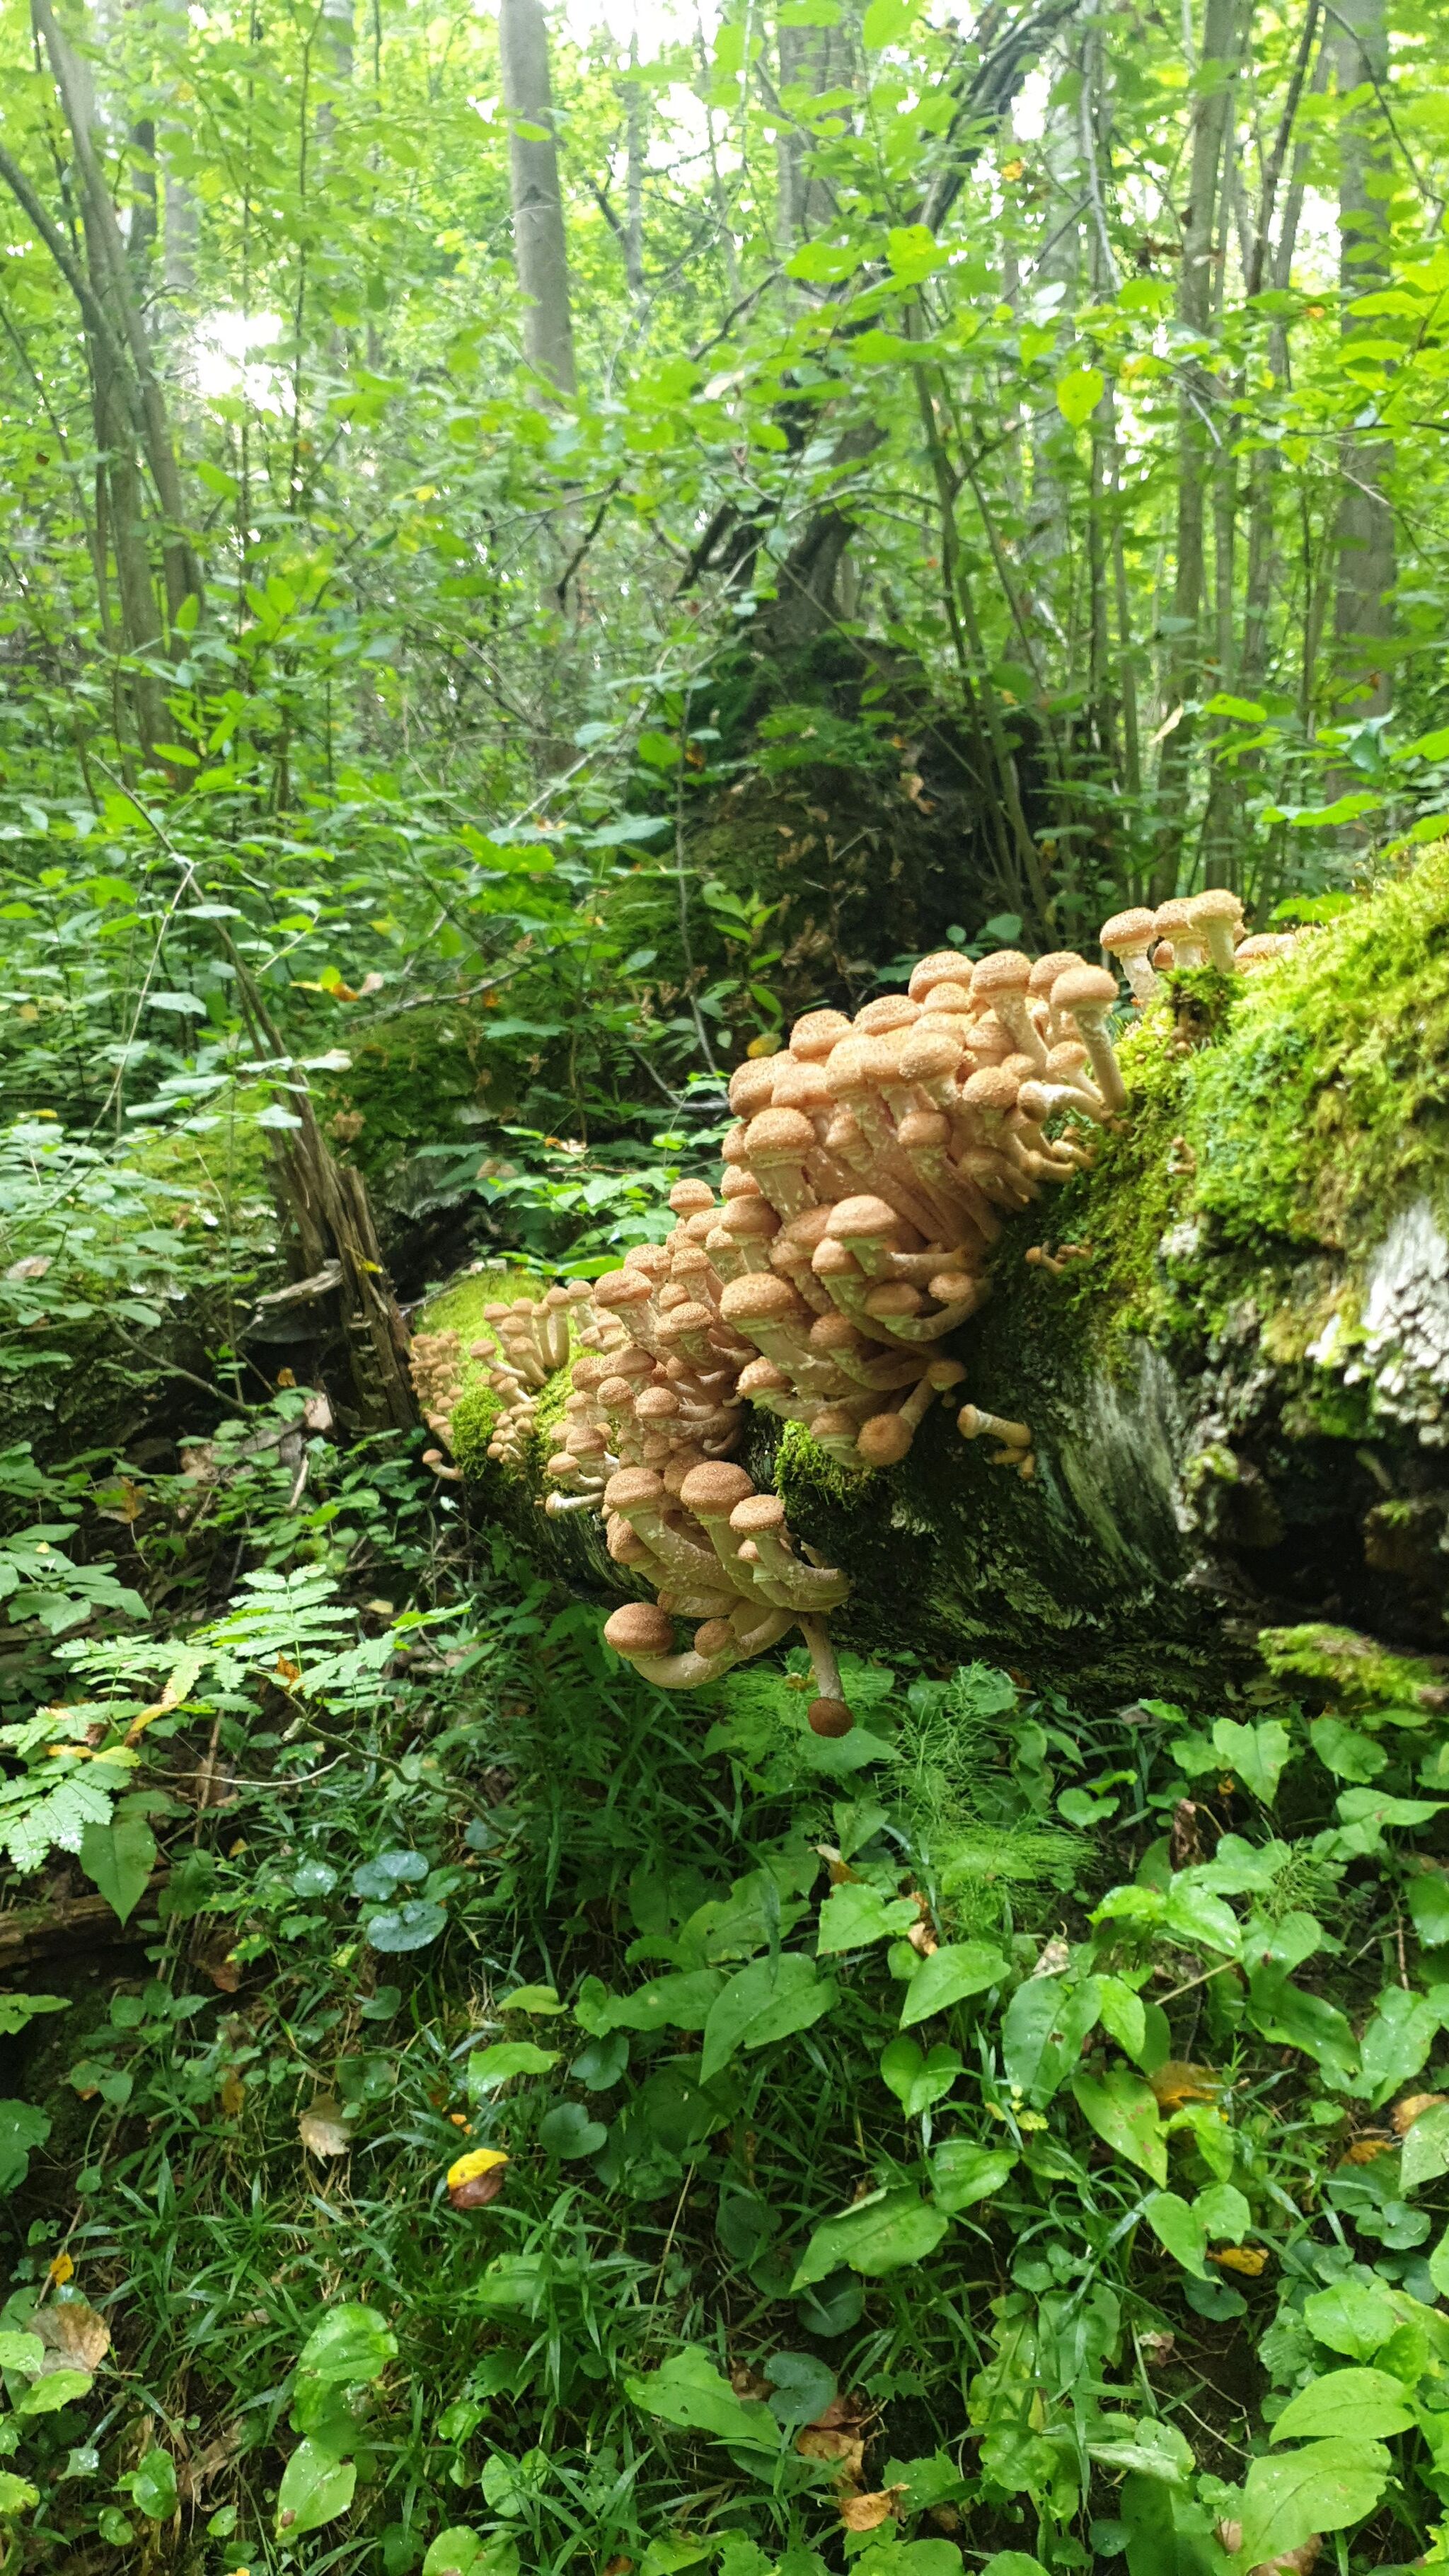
column 1215, row 903
column 750, row 1220
column 836, row 1332
column 657, row 1404
column 801, row 1085
column 832, row 1259
column 815, row 1035
column 622, row 1288
column 712, row 1636
column 1002, row 975
column 993, row 1088
column 752, row 1086
column 1046, row 970
column 945, row 999
column 616, row 1394
column 892, row 1011
column 761, row 1378
column 737, row 1183
column 847, row 1067
column 1088, row 988
column 640, row 1628
column 829, row 1717
column 680, row 1320
column 1172, row 919
column 1066, row 1059
column 893, row 1297
column 629, row 1487
column 930, row 1054
column 832, row 1422
column 712, row 1491
column 884, row 1440
column 864, row 1215
column 688, row 1197
column 757, row 1512
column 779, row 1136
column 943, row 966
column 1129, row 934
column 801, row 1233
column 762, row 1297
column 922, row 1128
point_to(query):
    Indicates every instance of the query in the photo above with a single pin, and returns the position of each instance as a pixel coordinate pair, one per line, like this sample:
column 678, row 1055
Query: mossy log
column 1238, row 1392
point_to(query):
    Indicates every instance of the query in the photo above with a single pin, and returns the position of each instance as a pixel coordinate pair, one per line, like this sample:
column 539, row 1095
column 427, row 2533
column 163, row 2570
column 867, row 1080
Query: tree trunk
column 811, row 60
column 1195, row 456
column 540, row 250
column 1363, row 616
column 1238, row 1400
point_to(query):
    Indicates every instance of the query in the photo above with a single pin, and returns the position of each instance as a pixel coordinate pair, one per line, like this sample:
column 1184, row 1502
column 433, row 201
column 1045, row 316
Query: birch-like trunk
column 1363, row 613
column 540, row 249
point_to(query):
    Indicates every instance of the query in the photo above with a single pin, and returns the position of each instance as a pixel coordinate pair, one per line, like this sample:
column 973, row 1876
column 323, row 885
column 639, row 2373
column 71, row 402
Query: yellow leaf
column 479, row 2160
column 233, row 2093
column 868, row 2512
column 62, row 2269
column 1250, row 2260
column 1178, row 2082
column 1412, row 2108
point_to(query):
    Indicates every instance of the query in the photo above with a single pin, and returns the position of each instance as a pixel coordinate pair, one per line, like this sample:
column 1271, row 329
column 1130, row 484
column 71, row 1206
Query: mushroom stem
column 974, row 1423
column 822, row 1657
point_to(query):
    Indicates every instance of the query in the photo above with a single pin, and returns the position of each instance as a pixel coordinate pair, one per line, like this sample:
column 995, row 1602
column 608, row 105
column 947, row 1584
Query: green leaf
column 462, row 2552
column 490, row 2068
column 1079, row 393
column 803, row 2388
column 1013, row 2562
column 1124, row 2014
column 1181, row 2229
column 1396, row 2042
column 531, row 1999
column 58, row 2388
column 1345, row 1752
column 1149, row 2447
column 1123, row 2111
column 1257, row 1754
column 1042, row 2031
column 881, row 2234
column 948, row 1976
column 1325, row 2487
column 352, row 2346
column 887, row 22
column 568, row 2131
column 22, row 2352
column 771, row 1999
column 405, row 1927
column 17, row 2495
column 1224, row 2212
column 1352, row 2318
column 1426, row 2149
column 666, row 2003
column 316, row 2486
column 854, row 1915
column 918, row 2082
column 1428, row 1896
column 963, row 2173
column 118, row 1858
column 23, row 2127
column 1281, row 2010
column 152, row 2485
column 1362, row 2405
column 1247, row 710
column 687, row 2390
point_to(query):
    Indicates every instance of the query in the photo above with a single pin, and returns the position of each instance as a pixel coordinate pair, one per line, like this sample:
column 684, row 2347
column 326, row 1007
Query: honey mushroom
column 872, row 1167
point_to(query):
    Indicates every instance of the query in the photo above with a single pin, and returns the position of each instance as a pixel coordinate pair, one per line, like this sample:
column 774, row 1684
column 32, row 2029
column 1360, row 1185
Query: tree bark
column 1195, row 458
column 1363, row 614
column 540, row 249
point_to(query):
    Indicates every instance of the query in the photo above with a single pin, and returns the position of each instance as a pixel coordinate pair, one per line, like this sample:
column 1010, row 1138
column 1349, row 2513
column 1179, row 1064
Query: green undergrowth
column 1005, row 2129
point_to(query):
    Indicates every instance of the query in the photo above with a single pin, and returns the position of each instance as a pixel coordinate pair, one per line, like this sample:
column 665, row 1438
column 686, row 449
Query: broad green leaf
column 679, row 2002
column 1325, row 2487
column 1224, row 2212
column 1426, row 2149
column 23, row 2352
column 689, row 2391
column 1352, row 2318
column 352, row 2345
column 1396, row 2042
column 879, row 2235
column 1149, row 2446
column 23, row 2127
column 1281, row 2010
column 1180, row 2228
column 1257, row 1754
column 463, row 2552
column 152, row 2485
column 118, row 1858
column 771, row 1999
column 1428, row 1896
column 1124, row 2014
column 1079, row 393
column 17, row 2495
column 803, row 2387
column 918, row 2081
column 316, row 2486
column 1123, row 2111
column 854, row 1915
column 568, row 2131
column 1345, row 1752
column 1359, row 2405
column 963, row 2173
column 948, row 1976
column 489, row 2068
column 1246, row 710
column 58, row 2388
column 887, row 22
column 1042, row 2032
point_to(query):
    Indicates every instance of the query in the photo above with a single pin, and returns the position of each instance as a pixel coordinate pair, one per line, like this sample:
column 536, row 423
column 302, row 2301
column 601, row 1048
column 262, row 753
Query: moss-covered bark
column 1239, row 1398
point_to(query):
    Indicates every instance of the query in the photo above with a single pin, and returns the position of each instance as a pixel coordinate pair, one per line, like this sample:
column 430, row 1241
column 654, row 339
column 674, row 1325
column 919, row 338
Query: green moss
column 804, row 1469
column 1358, row 1669
column 475, row 1418
column 1324, row 1105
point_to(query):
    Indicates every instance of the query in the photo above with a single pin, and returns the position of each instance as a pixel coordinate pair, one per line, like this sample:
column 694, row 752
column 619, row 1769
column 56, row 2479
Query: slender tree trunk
column 1210, row 119
column 540, row 249
column 1272, row 264
column 180, row 211
column 811, row 61
column 1363, row 615
column 1049, row 511
column 637, row 134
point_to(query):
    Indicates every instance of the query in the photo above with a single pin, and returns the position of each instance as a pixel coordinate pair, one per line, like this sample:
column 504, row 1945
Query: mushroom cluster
column 872, row 1167
column 1201, row 930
